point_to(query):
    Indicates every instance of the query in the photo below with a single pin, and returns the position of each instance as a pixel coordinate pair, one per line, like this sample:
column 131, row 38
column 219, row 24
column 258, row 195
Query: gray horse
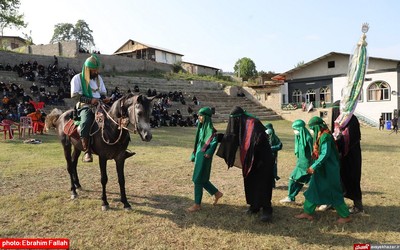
column 109, row 139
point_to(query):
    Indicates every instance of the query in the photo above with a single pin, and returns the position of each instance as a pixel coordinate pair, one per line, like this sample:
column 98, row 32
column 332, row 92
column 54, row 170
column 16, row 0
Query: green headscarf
column 273, row 139
column 92, row 62
column 205, row 129
column 316, row 124
column 304, row 137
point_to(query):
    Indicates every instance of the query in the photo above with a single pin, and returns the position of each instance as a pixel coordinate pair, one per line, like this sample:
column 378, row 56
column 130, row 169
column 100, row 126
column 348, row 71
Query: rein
column 122, row 124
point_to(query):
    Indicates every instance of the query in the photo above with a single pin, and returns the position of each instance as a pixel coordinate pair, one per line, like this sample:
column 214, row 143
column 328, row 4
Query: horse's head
column 138, row 109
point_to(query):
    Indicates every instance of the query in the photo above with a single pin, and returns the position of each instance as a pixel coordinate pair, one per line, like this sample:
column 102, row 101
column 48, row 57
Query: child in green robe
column 303, row 146
column 204, row 147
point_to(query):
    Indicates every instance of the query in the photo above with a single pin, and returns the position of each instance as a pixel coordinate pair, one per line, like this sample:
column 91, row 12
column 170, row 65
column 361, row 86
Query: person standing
column 325, row 184
column 348, row 143
column 245, row 137
column 381, row 123
column 87, row 88
column 303, row 146
column 276, row 145
column 204, row 147
column 394, row 124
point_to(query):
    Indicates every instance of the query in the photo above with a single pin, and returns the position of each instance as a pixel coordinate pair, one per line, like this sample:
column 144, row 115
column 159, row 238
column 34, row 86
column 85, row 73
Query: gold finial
column 365, row 28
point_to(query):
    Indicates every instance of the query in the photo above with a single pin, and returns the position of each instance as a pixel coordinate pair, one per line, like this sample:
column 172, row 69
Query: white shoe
column 324, row 207
column 286, row 200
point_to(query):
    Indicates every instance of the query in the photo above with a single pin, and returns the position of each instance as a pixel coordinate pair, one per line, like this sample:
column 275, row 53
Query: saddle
column 71, row 129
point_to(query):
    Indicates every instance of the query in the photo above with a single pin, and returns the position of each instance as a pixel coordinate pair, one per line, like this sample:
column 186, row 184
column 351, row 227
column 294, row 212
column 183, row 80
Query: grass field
column 35, row 199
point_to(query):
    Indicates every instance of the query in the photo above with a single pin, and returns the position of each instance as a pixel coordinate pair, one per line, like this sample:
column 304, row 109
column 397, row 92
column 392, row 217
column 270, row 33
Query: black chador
column 246, row 143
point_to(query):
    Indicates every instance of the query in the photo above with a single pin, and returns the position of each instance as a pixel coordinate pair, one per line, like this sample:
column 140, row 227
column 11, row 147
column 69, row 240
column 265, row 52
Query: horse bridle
column 123, row 117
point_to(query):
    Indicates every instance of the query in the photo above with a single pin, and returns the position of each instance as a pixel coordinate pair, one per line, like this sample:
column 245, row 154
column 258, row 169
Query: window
column 325, row 94
column 378, row 91
column 296, row 96
column 331, row 64
column 310, row 95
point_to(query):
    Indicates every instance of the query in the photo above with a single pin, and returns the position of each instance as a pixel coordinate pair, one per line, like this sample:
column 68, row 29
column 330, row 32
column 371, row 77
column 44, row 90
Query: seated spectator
column 136, row 89
column 189, row 110
column 37, row 122
column 195, row 101
column 6, row 102
column 240, row 93
column 34, row 89
column 26, row 98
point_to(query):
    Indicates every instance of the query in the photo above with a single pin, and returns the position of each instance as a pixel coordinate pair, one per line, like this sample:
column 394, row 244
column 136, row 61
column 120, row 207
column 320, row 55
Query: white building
column 322, row 80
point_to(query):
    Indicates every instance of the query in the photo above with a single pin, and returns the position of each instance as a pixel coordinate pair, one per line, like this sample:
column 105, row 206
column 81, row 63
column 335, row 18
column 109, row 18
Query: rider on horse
column 87, row 88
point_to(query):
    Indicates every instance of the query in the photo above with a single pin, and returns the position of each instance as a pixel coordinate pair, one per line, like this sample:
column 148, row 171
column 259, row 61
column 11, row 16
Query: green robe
column 202, row 165
column 324, row 186
column 299, row 173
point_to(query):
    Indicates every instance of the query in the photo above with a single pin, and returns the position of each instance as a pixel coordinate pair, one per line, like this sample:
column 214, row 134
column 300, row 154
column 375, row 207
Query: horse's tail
column 52, row 118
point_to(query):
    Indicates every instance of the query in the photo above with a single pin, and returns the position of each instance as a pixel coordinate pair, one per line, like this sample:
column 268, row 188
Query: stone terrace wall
column 110, row 63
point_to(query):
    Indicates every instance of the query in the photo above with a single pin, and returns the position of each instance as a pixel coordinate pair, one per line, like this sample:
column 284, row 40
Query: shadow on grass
column 323, row 230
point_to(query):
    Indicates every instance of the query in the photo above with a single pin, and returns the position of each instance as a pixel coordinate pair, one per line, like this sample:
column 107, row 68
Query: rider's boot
column 129, row 153
column 88, row 155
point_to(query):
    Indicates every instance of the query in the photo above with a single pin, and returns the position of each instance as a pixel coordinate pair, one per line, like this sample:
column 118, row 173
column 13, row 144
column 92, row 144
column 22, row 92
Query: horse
column 109, row 139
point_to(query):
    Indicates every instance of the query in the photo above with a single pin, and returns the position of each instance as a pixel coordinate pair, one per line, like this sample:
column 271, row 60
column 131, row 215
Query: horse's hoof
column 105, row 207
column 79, row 188
column 128, row 208
column 74, row 196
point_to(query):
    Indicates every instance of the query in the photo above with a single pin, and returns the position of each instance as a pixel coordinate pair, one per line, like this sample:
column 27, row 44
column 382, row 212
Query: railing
column 365, row 119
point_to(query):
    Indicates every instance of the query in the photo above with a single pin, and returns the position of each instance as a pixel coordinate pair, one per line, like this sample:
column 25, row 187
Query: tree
column 62, row 32
column 80, row 32
column 9, row 16
column 28, row 37
column 301, row 63
column 83, row 34
column 245, row 68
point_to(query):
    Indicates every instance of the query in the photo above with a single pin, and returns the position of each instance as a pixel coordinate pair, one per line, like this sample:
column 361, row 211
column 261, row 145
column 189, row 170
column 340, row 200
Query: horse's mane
column 51, row 118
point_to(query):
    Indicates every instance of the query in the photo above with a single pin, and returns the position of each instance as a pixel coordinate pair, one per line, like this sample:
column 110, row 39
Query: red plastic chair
column 25, row 124
column 10, row 127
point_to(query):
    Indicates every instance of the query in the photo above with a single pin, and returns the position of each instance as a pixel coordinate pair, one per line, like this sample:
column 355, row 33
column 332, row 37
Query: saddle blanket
column 71, row 129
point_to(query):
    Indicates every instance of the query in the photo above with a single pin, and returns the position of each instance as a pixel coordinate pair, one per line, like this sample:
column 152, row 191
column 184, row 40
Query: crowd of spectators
column 17, row 101
column 165, row 101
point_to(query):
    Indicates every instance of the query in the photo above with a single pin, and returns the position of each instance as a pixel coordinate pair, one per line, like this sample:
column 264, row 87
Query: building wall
column 65, row 49
column 320, row 68
column 372, row 110
column 10, row 43
column 165, row 57
column 379, row 64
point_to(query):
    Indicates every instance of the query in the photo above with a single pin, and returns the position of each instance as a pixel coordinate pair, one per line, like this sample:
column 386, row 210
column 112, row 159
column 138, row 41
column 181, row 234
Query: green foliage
column 62, row 32
column 28, row 38
column 301, row 63
column 80, row 32
column 177, row 67
column 9, row 16
column 245, row 68
column 83, row 34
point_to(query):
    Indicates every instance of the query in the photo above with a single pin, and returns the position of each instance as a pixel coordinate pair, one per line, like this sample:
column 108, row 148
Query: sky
column 275, row 34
